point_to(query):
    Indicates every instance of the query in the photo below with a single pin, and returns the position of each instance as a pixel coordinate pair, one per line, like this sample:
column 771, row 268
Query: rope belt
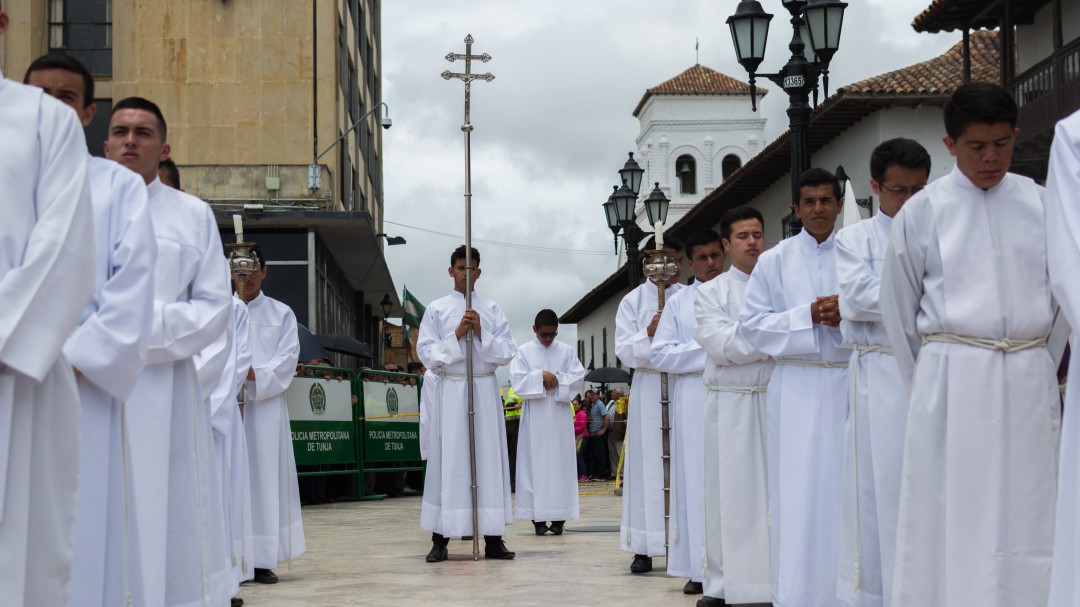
column 697, row 374
column 463, row 376
column 645, row 370
column 739, row 389
column 861, row 349
column 1004, row 344
column 821, row 364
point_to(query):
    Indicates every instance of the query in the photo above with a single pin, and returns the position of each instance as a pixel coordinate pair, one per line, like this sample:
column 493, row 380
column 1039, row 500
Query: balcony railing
column 1048, row 92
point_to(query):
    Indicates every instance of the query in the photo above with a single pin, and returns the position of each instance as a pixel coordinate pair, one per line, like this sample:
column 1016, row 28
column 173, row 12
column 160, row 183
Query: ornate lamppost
column 823, row 21
column 620, row 211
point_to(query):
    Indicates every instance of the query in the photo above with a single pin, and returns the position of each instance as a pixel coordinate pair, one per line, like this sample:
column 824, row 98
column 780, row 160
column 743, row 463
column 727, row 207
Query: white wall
column 1035, row 42
column 591, row 330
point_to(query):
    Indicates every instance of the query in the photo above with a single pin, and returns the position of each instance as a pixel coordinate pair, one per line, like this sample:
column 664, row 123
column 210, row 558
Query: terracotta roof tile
column 698, row 80
column 949, row 15
column 938, row 76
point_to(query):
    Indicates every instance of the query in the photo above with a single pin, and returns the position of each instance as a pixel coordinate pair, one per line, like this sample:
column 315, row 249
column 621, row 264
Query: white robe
column 109, row 350
column 807, row 415
column 171, row 446
column 876, row 432
column 447, row 505
column 275, row 491
column 427, row 395
column 675, row 352
column 642, row 528
column 547, row 488
column 46, row 279
column 222, row 369
column 977, row 493
column 1063, row 245
column 736, row 496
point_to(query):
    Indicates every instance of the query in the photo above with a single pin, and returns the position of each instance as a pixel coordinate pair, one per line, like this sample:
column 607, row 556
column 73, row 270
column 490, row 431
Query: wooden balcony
column 1046, row 93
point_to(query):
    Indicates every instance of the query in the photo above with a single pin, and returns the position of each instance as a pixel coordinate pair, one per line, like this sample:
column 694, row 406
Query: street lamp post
column 823, row 21
column 620, row 212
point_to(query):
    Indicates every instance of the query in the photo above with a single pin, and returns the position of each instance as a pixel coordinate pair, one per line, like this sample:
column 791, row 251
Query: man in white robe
column 966, row 303
column 735, row 470
column 275, row 491
column 877, row 414
column 675, row 352
column 642, row 532
column 222, row 369
column 47, row 272
column 447, row 507
column 1063, row 246
column 180, row 523
column 545, row 375
column 792, row 314
column 108, row 351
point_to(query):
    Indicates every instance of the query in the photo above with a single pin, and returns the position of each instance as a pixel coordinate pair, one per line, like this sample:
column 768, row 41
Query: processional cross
column 467, row 77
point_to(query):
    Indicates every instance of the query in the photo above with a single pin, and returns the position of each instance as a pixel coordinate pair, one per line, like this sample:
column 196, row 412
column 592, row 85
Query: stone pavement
column 372, row 553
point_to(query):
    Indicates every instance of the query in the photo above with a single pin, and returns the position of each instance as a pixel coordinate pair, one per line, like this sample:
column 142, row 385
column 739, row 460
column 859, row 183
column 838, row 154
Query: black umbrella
column 608, row 375
column 343, row 344
column 310, row 348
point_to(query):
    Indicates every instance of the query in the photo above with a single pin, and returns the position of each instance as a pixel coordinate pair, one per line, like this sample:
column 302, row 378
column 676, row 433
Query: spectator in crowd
column 597, row 443
column 616, row 415
column 580, row 434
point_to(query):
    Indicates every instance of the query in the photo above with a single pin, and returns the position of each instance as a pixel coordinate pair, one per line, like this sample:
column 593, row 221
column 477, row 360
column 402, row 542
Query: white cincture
column 1004, row 344
column 739, row 389
column 861, row 349
column 697, row 374
column 463, row 376
column 821, row 364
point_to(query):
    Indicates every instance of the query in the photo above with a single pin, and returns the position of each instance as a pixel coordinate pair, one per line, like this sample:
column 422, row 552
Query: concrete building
column 253, row 93
column 844, row 129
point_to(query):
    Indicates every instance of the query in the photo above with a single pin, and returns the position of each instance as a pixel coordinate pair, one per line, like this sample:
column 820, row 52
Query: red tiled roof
column 938, row 76
column 698, row 80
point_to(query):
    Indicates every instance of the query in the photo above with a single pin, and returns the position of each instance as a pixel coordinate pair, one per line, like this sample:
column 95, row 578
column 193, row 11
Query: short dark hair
column 546, row 318
column 699, row 238
column 171, row 170
column 906, row 153
column 139, row 103
column 815, row 177
column 459, row 253
column 739, row 213
column 670, row 242
column 981, row 103
column 257, row 253
column 58, row 61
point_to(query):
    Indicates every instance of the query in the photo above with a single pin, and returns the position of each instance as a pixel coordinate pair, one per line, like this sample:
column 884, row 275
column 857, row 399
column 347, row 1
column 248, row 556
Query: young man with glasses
column 546, row 375
column 899, row 169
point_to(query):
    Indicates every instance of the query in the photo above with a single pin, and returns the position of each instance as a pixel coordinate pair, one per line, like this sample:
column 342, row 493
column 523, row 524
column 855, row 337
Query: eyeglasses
column 546, row 335
column 902, row 191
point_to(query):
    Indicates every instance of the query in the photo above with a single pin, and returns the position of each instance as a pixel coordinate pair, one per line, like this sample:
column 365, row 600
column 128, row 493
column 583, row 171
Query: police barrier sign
column 320, row 412
column 391, row 422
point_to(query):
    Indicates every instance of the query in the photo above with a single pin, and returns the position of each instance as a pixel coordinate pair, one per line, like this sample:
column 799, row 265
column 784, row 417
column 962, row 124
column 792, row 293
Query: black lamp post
column 823, row 21
column 619, row 210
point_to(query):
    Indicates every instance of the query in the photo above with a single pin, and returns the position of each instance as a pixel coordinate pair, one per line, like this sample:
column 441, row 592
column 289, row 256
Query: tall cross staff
column 468, row 76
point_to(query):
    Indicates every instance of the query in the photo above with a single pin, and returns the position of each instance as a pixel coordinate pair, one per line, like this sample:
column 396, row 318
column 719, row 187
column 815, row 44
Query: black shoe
column 438, row 553
column 542, row 528
column 557, row 527
column 641, row 564
column 711, row 601
column 264, row 576
column 236, row 602
column 466, row 538
column 494, row 548
column 692, row 587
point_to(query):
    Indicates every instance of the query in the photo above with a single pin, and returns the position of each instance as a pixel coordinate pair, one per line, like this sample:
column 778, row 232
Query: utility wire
column 511, row 245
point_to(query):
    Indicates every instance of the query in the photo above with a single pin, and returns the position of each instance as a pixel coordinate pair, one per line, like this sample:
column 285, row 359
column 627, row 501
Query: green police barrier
column 389, row 422
column 322, row 419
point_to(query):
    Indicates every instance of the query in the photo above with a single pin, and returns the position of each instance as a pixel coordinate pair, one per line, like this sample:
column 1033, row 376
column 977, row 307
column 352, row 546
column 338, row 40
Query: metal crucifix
column 467, row 77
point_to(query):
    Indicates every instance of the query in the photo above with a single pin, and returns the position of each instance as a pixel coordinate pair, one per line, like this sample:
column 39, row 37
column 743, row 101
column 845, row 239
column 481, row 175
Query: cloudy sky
column 554, row 126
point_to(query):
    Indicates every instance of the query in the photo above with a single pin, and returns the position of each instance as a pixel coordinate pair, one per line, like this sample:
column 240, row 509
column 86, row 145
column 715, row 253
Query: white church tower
column 696, row 130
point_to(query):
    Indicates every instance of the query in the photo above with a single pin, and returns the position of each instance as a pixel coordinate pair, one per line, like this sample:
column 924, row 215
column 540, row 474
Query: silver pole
column 467, row 128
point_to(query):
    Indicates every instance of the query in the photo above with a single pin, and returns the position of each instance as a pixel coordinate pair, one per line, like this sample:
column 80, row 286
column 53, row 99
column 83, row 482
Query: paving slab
column 372, row 553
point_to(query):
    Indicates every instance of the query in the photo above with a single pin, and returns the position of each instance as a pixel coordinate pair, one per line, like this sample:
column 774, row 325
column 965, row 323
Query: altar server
column 735, row 471
column 180, row 523
column 966, row 303
column 47, row 270
column 275, row 492
column 642, row 530
column 675, row 352
column 546, row 374
column 447, row 508
column 108, row 350
column 792, row 314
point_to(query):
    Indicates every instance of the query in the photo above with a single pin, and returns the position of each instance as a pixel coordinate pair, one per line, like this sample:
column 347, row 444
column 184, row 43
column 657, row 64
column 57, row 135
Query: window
column 592, row 352
column 83, row 29
column 686, row 171
column 604, row 359
column 729, row 165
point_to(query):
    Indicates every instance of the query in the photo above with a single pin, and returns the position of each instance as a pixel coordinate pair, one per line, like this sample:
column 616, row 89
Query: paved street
column 372, row 553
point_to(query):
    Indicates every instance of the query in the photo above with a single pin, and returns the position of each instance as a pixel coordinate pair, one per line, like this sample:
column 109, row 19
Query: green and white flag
column 414, row 310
